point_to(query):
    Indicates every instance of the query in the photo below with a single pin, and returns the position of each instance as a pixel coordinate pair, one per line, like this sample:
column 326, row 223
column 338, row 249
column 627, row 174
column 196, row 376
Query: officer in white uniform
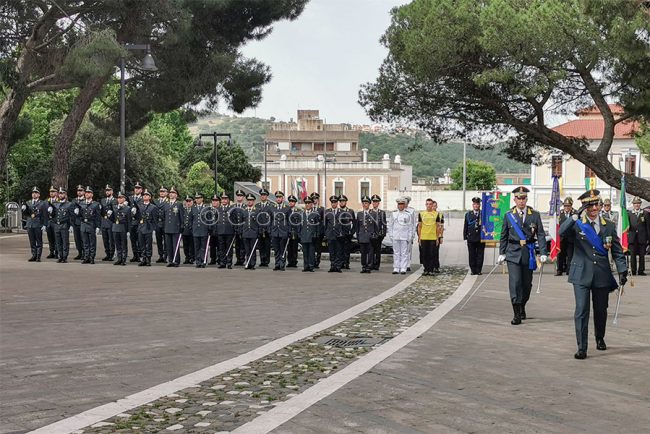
column 401, row 231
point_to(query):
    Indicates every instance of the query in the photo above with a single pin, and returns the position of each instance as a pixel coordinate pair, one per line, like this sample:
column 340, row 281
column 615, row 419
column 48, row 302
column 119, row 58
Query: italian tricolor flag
column 624, row 221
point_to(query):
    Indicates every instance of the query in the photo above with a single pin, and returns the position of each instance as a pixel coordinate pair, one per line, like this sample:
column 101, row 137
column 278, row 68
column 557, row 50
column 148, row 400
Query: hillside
column 427, row 158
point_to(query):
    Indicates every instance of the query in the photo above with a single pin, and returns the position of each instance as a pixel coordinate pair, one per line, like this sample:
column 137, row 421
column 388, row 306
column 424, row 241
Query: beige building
column 311, row 156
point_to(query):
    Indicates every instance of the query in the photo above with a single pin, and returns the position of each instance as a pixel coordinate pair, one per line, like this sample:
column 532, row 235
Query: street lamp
column 265, row 181
column 147, row 64
column 215, row 136
column 464, row 172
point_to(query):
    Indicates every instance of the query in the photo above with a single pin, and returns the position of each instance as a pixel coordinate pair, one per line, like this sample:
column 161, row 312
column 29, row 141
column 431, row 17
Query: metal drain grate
column 339, row 342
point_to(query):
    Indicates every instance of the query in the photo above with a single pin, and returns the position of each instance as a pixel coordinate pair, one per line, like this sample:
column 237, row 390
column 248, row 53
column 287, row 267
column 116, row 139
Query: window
column 589, row 173
column 283, row 146
column 319, row 147
column 526, row 181
column 507, row 181
column 330, row 147
column 365, row 188
column 556, row 165
column 630, row 164
column 295, row 147
column 338, row 188
column 343, row 146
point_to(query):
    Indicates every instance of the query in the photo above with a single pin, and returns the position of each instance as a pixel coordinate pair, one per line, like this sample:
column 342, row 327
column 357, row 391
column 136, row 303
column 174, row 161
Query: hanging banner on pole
column 494, row 207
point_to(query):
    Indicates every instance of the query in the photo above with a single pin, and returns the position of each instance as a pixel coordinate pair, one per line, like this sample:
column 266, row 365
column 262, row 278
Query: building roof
column 591, row 126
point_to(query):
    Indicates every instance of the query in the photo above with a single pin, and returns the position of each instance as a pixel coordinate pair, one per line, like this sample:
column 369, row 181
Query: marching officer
column 566, row 244
column 379, row 216
column 472, row 227
column 318, row 242
column 250, row 231
column 295, row 217
column 145, row 213
column 199, row 231
column 120, row 217
column 135, row 242
column 36, row 212
column 76, row 223
column 62, row 217
column 522, row 227
column 91, row 220
column 161, row 235
column 309, row 229
column 366, row 229
column 107, row 204
column 216, row 204
column 590, row 273
column 346, row 219
column 638, row 236
column 280, row 231
column 264, row 213
column 174, row 218
column 240, row 204
column 51, row 238
column 188, row 238
column 225, row 230
column 334, row 235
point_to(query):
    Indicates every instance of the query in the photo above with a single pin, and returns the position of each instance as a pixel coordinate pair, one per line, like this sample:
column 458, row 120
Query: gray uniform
column 62, row 218
column 121, row 224
column 366, row 229
column 107, row 205
column 36, row 213
column 146, row 216
column 173, row 216
column 280, row 234
column 90, row 214
column 310, row 229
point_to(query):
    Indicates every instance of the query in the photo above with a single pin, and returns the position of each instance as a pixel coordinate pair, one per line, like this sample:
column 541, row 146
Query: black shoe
column 395, row 272
column 32, row 259
column 76, row 258
column 479, row 273
column 134, row 259
column 64, row 261
column 92, row 261
column 171, row 265
column 276, row 268
column 522, row 312
column 346, row 267
column 408, row 268
column 580, row 355
column 305, row 270
column 402, row 272
column 558, row 273
column 426, row 273
column 238, row 263
column 198, row 265
column 437, row 271
column 142, row 264
column 600, row 344
column 118, row 262
column 316, row 266
column 59, row 260
column 86, row 261
column 229, row 266
column 264, row 265
column 160, row 260
column 38, row 259
column 472, row 273
column 642, row 273
column 221, row 266
column 51, row 255
column 213, row 262
column 292, row 266
column 106, row 258
column 516, row 320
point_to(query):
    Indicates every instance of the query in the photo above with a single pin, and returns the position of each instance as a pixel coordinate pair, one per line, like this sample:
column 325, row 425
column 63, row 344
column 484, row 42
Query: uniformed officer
column 51, row 238
column 346, row 218
column 522, row 228
column 309, row 228
column 107, row 204
column 35, row 211
column 379, row 216
column 120, row 217
column 366, row 230
column 318, row 242
column 280, row 231
column 174, row 218
column 264, row 214
column 226, row 217
column 240, row 250
column 638, row 236
column 161, row 236
column 133, row 201
column 91, row 220
column 295, row 217
column 214, row 239
column 62, row 218
column 590, row 272
column 145, row 213
column 401, row 231
column 472, row 227
column 334, row 235
column 607, row 211
column 563, row 262
column 199, row 231
column 188, row 238
column 250, row 231
column 76, row 223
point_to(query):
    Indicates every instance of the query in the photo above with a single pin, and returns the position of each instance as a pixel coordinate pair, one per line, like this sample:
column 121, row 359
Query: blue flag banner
column 494, row 207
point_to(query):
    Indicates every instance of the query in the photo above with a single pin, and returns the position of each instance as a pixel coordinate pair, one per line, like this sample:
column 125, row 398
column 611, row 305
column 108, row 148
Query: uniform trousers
column 62, row 241
column 145, row 243
column 600, row 300
column 366, row 255
column 51, row 239
column 160, row 242
column 308, row 256
column 251, row 252
column 376, row 252
column 292, row 252
column 240, row 250
column 35, row 241
column 264, row 246
column 476, row 250
column 135, row 248
column 226, row 247
column 188, row 248
column 200, row 244
column 172, row 245
column 565, row 256
column 401, row 255
column 89, row 240
column 520, row 282
column 279, row 244
column 335, row 248
column 109, row 242
column 637, row 251
column 121, row 245
column 78, row 242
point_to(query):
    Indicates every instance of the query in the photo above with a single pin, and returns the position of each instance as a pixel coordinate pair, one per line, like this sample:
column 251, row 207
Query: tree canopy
column 480, row 176
column 489, row 70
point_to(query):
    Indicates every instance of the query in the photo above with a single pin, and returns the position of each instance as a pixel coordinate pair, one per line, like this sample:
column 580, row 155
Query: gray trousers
column 520, row 282
column 600, row 300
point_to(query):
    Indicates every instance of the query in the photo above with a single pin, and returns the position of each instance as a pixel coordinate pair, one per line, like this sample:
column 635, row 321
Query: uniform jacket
column 162, row 220
column 226, row 216
column 187, row 222
column 532, row 227
column 588, row 267
column 106, row 205
column 612, row 215
column 264, row 215
column 250, row 228
column 402, row 226
column 62, row 215
column 380, row 217
column 75, row 203
column 346, row 220
column 310, row 226
column 173, row 216
column 367, row 227
column 472, row 227
column 280, row 225
column 197, row 222
column 90, row 214
column 50, row 204
column 121, row 218
column 295, row 221
column 332, row 225
column 133, row 201
column 146, row 216
column 639, row 226
column 36, row 212
column 562, row 217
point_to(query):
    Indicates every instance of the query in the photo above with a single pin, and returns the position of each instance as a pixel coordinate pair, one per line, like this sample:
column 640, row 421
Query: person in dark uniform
column 226, row 216
column 160, row 225
column 309, row 228
column 280, row 231
column 334, row 235
column 295, row 217
column 62, row 218
column 199, row 231
column 146, row 214
column 346, row 219
column 76, row 223
column 120, row 217
column 472, row 234
column 638, row 236
column 107, row 204
column 35, row 211
column 211, row 219
column 522, row 228
column 264, row 213
column 240, row 250
column 174, row 218
column 563, row 262
column 51, row 238
column 607, row 211
column 379, row 215
column 366, row 229
column 188, row 238
column 318, row 243
column 590, row 271
column 91, row 220
column 250, row 232
column 133, row 202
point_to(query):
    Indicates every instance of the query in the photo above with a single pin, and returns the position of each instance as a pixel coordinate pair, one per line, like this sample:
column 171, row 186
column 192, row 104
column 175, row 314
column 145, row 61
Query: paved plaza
column 75, row 337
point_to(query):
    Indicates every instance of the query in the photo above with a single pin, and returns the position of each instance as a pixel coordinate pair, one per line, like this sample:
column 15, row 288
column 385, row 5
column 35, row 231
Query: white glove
column 76, row 211
column 501, row 258
column 24, row 207
column 574, row 217
column 133, row 211
column 109, row 213
column 49, row 209
column 543, row 258
column 97, row 231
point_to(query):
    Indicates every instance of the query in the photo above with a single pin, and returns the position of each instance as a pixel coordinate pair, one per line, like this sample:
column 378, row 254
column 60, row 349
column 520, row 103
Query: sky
column 320, row 60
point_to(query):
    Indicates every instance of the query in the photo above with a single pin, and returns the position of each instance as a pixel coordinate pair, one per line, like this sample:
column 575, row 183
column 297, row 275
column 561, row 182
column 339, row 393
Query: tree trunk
column 63, row 144
column 9, row 112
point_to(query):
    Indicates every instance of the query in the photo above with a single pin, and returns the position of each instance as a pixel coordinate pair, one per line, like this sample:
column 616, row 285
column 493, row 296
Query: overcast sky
column 320, row 60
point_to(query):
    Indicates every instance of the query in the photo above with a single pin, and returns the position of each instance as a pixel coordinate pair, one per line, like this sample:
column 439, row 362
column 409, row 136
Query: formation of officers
column 210, row 233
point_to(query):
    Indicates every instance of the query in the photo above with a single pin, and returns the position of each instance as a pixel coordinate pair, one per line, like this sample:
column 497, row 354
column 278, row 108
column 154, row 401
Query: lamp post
column 215, row 136
column 265, row 180
column 464, row 172
column 147, row 64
